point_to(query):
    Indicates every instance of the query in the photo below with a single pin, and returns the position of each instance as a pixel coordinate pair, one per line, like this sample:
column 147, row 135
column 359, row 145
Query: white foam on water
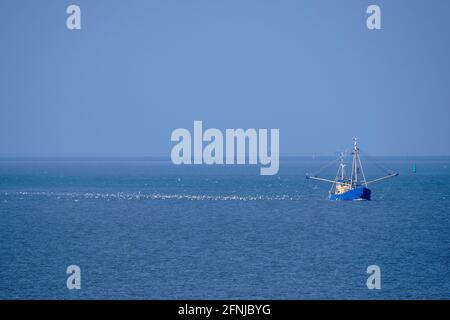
column 151, row 196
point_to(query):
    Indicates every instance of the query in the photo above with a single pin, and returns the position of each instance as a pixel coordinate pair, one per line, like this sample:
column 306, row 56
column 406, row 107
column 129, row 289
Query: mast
column 341, row 171
column 357, row 166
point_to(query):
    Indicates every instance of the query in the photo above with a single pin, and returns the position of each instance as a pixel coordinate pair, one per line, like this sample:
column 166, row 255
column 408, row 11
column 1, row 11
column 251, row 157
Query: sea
column 144, row 228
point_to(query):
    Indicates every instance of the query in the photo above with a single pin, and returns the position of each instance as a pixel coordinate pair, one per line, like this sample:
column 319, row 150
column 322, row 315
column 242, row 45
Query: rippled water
column 149, row 229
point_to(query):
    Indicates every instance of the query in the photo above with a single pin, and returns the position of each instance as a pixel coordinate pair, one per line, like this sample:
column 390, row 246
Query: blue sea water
column 146, row 229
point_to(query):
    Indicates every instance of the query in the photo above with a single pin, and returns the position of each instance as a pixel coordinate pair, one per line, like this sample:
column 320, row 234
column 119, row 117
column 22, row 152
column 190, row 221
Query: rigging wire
column 325, row 166
column 382, row 168
column 379, row 166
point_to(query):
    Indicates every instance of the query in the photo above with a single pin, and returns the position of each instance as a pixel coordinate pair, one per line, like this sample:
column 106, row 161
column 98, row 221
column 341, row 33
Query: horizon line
column 167, row 158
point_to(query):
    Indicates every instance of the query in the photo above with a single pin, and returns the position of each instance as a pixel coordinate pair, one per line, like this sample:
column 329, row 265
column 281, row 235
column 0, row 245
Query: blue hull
column 360, row 193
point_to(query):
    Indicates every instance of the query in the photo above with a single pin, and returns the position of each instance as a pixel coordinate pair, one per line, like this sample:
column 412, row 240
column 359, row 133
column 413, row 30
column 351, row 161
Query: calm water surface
column 149, row 229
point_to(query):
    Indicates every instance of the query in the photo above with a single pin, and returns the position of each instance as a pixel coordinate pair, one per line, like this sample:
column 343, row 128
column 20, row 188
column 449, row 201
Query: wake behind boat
column 355, row 187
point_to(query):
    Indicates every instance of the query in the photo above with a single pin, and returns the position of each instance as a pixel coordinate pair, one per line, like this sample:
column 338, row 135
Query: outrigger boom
column 391, row 175
column 354, row 188
column 366, row 183
column 319, row 179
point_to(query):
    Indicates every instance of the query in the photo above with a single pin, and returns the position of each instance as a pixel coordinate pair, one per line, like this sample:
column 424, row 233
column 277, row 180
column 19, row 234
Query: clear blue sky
column 139, row 69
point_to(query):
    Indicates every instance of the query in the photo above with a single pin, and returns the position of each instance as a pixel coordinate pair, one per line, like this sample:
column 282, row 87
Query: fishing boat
column 355, row 187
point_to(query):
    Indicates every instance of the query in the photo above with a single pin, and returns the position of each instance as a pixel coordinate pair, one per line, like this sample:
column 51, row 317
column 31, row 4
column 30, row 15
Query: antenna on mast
column 355, row 143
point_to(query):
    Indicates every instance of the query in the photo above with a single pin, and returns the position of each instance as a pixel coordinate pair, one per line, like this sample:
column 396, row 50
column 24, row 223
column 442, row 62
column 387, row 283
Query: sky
column 137, row 70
